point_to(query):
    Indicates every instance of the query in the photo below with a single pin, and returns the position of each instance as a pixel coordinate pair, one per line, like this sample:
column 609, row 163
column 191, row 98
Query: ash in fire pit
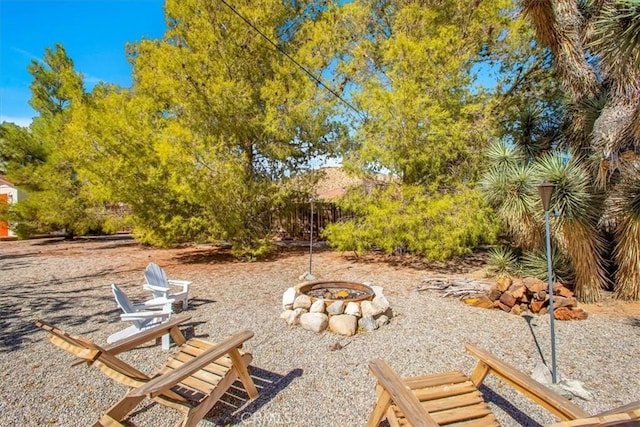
column 341, row 307
column 346, row 291
column 324, row 293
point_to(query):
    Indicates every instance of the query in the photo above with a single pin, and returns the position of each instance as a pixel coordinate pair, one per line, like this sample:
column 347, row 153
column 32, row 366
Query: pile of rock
column 516, row 296
column 338, row 316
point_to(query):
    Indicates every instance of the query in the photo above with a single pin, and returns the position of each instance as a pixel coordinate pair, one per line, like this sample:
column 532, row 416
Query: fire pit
column 339, row 306
column 330, row 291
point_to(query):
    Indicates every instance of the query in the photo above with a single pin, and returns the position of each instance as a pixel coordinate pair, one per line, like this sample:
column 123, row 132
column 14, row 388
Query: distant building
column 9, row 194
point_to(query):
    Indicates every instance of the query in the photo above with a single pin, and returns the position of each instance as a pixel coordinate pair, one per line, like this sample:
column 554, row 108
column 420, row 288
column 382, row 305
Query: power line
column 281, row 50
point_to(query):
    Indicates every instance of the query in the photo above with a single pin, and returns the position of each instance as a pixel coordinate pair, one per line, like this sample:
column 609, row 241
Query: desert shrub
column 502, row 262
column 403, row 219
column 534, row 264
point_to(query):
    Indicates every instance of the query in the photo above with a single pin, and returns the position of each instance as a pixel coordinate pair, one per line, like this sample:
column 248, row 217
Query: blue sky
column 93, row 32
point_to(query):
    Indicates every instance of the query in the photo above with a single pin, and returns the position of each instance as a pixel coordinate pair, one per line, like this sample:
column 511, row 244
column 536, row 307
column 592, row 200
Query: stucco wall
column 13, row 197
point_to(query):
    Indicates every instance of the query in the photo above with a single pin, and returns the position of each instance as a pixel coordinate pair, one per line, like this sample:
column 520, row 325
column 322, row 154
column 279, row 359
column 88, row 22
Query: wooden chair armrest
column 550, row 400
column 401, row 395
column 618, row 419
column 166, row 381
column 633, row 407
column 150, row 334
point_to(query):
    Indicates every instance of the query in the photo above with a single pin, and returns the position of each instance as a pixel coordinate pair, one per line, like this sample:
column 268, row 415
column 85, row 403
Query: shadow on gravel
column 17, row 256
column 21, row 305
column 222, row 254
column 16, row 265
column 634, row 321
column 529, row 320
column 458, row 265
column 195, row 303
column 79, row 239
column 236, row 408
column 206, row 256
column 36, row 286
column 520, row 417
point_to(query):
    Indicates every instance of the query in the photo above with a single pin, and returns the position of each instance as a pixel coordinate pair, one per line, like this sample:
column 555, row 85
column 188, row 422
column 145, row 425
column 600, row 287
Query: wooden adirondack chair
column 142, row 316
column 159, row 285
column 191, row 381
column 452, row 397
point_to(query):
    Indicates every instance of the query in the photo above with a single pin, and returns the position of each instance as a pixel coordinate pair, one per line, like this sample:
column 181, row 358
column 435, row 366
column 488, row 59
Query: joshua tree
column 593, row 155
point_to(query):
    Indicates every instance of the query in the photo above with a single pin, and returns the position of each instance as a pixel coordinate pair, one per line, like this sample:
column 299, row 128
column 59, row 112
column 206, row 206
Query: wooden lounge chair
column 191, row 381
column 452, row 397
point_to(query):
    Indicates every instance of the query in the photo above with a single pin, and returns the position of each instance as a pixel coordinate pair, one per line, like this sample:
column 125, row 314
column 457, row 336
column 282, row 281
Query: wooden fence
column 294, row 222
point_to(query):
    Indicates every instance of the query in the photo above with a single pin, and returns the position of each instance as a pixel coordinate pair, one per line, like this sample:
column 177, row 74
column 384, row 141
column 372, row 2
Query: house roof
column 334, row 182
column 3, row 181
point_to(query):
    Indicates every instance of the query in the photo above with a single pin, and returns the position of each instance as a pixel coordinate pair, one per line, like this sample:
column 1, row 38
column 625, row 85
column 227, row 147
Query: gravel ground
column 302, row 381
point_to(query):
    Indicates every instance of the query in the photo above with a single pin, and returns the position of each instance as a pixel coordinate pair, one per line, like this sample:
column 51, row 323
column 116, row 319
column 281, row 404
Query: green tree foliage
column 403, row 219
column 39, row 159
column 215, row 119
column 411, row 67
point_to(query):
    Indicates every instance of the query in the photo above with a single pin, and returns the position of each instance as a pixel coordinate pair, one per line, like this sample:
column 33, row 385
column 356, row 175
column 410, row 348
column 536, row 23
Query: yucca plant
column 534, row 264
column 575, row 227
column 615, row 37
column 508, row 186
column 595, row 51
column 502, row 154
column 627, row 250
column 502, row 262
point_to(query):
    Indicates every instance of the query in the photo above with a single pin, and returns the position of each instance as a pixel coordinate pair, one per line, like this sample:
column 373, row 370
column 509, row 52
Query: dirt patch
column 615, row 307
column 215, row 258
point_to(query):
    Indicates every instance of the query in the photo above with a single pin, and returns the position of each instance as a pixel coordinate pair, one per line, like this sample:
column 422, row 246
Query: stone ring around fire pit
column 342, row 307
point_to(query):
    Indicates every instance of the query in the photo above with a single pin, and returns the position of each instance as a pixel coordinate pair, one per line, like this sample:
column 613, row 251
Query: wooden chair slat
column 486, row 421
column 436, row 379
column 446, row 390
column 461, row 414
column 214, row 367
column 468, row 399
column 207, row 378
column 401, row 395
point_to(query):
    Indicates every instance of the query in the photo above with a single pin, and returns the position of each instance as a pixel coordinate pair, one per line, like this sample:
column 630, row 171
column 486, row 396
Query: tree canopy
column 235, row 100
column 40, row 160
column 223, row 110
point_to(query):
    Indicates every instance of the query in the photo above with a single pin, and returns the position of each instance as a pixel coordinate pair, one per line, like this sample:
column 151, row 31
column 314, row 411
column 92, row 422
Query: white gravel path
column 303, row 382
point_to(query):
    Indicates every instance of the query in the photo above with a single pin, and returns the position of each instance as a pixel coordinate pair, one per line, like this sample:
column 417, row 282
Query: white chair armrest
column 155, row 288
column 153, row 304
column 184, row 283
column 144, row 315
column 157, row 303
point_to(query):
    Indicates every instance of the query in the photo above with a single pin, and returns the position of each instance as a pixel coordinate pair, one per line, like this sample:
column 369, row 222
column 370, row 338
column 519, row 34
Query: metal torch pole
column 554, row 376
column 311, row 238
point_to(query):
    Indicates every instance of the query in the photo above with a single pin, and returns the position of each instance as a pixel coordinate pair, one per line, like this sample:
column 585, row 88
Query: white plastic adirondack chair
column 143, row 316
column 158, row 284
